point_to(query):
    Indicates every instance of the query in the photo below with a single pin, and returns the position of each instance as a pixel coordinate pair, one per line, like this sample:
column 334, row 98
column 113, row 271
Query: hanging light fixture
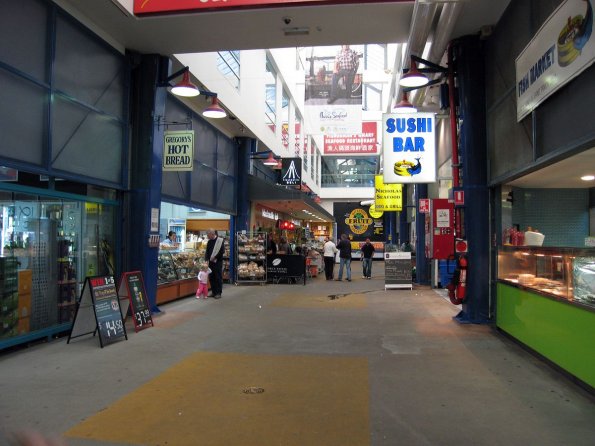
column 413, row 78
column 270, row 161
column 214, row 110
column 185, row 87
column 405, row 106
column 279, row 165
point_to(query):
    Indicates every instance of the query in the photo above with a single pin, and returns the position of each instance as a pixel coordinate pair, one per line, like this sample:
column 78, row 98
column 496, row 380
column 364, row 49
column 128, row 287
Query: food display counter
column 176, row 275
column 546, row 300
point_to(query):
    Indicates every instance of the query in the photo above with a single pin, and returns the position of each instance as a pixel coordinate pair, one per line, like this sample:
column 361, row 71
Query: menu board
column 397, row 270
column 133, row 286
column 98, row 311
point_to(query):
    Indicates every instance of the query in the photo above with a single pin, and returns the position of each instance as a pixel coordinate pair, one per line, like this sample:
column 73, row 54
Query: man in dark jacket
column 344, row 247
column 367, row 255
column 214, row 255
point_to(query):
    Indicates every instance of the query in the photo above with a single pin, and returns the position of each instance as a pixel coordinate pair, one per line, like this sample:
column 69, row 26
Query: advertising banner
column 355, row 221
column 167, row 6
column 178, row 150
column 561, row 50
column 364, row 143
column 409, row 148
column 387, row 197
column 333, row 90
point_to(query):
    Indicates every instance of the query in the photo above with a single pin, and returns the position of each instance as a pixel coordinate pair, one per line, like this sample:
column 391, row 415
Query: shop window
column 348, row 172
column 49, row 246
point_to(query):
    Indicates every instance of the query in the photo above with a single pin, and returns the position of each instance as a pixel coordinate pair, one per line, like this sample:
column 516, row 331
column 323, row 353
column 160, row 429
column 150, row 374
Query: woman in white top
column 330, row 249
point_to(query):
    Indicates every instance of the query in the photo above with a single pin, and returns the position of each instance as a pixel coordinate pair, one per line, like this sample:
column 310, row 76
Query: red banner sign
column 362, row 144
column 164, row 6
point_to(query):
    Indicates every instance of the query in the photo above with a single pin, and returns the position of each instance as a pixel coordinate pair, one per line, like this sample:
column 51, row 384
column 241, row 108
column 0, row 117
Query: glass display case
column 186, row 264
column 561, row 273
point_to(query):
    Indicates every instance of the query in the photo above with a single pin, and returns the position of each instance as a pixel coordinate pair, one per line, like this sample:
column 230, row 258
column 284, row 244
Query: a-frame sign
column 98, row 310
column 132, row 286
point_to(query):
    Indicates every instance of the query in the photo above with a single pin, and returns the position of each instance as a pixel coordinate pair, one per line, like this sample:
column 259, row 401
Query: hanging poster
column 333, row 90
column 561, row 50
column 178, row 150
column 291, row 172
column 387, row 197
column 364, row 143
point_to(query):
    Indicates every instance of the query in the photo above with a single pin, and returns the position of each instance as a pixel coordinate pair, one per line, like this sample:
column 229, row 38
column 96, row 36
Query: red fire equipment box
column 440, row 229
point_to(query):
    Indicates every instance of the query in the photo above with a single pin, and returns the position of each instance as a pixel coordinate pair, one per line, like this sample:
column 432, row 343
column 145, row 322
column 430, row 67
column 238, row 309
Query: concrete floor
column 427, row 380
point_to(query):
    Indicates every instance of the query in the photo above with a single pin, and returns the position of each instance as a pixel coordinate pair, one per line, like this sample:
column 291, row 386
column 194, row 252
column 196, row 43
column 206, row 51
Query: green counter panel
column 563, row 333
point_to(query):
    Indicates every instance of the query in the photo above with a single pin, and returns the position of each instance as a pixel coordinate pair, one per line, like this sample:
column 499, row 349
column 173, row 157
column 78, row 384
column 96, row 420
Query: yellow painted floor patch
column 342, row 300
column 202, row 401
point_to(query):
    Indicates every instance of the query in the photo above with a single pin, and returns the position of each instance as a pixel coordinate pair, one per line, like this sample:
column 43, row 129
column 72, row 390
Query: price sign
column 133, row 286
column 98, row 311
column 397, row 270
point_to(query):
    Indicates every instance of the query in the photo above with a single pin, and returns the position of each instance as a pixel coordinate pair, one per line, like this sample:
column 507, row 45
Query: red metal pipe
column 454, row 135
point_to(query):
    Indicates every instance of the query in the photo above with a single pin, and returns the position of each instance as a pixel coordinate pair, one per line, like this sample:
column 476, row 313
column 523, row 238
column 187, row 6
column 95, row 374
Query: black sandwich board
column 98, row 310
column 397, row 270
column 132, row 286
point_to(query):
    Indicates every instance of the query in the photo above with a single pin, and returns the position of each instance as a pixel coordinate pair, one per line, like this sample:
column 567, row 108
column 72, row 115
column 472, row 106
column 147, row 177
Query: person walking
column 214, row 255
column 367, row 255
column 330, row 249
column 344, row 247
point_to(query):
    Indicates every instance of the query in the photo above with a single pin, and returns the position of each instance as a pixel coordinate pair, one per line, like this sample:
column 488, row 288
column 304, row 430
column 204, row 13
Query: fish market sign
column 178, row 150
column 409, row 148
column 560, row 51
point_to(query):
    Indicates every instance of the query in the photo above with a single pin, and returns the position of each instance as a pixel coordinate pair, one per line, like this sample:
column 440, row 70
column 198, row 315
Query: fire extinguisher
column 457, row 289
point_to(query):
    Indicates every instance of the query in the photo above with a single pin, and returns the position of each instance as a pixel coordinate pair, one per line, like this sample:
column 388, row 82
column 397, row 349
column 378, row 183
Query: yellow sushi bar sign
column 387, row 197
column 561, row 50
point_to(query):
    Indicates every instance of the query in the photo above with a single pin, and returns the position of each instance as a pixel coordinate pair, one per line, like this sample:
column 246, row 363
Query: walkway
column 286, row 365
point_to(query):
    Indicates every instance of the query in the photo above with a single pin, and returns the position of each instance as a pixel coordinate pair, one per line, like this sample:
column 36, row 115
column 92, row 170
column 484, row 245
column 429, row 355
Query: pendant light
column 413, row 78
column 214, row 110
column 405, row 106
column 270, row 161
column 185, row 87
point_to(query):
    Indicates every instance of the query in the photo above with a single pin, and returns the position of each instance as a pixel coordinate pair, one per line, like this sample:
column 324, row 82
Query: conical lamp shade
column 405, row 106
column 185, row 87
column 413, row 78
column 270, row 161
column 214, row 110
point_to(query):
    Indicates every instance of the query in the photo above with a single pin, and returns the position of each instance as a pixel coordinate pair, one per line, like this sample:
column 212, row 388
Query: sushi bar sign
column 561, row 50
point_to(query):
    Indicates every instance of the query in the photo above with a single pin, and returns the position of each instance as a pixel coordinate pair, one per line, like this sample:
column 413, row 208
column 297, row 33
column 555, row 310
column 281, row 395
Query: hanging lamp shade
column 270, row 161
column 405, row 106
column 278, row 166
column 214, row 110
column 185, row 87
column 413, row 78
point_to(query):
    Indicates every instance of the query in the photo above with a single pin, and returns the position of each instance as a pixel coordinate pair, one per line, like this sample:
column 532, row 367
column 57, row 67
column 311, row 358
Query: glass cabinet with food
column 562, row 273
column 251, row 257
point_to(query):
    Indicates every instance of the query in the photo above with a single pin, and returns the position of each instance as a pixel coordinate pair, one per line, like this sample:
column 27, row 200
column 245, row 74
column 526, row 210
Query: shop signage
column 178, row 150
column 167, row 6
column 355, row 221
column 424, row 205
column 291, row 172
column 397, row 270
column 387, row 197
column 459, row 197
column 132, row 287
column 270, row 214
column 285, row 267
column 364, row 143
column 409, row 148
column 375, row 213
column 98, row 311
column 561, row 50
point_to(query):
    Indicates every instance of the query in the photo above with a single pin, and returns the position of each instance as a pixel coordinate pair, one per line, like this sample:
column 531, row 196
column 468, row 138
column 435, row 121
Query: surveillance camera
column 287, row 20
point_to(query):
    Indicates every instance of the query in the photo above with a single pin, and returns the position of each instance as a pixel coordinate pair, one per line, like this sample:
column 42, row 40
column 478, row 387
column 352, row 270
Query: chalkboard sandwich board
column 98, row 311
column 132, row 287
column 397, row 270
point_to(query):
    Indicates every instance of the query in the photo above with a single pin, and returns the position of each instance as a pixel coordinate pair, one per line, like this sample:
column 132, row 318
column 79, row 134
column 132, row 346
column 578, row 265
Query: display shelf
column 566, row 274
column 251, row 257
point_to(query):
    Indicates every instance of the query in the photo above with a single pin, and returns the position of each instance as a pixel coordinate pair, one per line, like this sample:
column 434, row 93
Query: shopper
column 344, row 247
column 203, row 281
column 367, row 250
column 271, row 245
column 330, row 249
column 214, row 255
column 284, row 247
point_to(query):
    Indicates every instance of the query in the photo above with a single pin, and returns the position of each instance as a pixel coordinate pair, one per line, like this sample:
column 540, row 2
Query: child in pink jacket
column 203, row 280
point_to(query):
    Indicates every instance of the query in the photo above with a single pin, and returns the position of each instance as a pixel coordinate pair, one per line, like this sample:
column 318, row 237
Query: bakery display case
column 251, row 257
column 176, row 275
column 562, row 273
